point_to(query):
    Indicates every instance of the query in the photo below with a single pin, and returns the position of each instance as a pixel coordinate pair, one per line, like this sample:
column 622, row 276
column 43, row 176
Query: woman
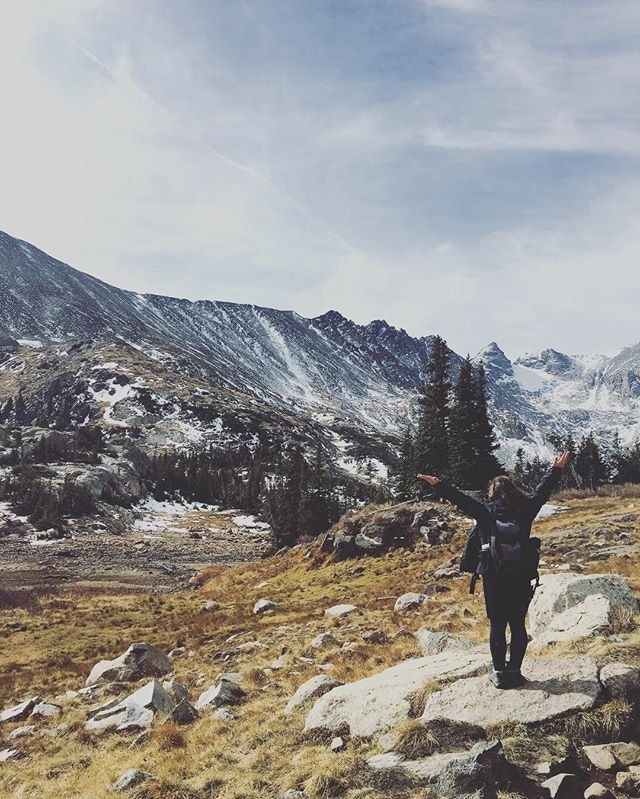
column 507, row 594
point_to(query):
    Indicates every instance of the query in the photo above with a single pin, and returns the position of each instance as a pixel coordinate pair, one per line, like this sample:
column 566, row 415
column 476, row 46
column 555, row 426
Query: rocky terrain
column 320, row 673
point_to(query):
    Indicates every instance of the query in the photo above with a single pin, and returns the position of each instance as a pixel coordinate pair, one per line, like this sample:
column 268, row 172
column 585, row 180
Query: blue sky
column 466, row 167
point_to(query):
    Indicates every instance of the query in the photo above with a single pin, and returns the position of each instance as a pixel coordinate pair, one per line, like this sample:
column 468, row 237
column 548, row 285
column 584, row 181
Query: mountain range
column 353, row 385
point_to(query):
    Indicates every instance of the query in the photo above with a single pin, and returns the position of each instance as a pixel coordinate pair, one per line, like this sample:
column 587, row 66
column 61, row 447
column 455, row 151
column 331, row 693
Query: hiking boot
column 515, row 677
column 499, row 679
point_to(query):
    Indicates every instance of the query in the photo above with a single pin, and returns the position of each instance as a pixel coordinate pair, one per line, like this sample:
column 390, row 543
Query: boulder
column 600, row 757
column 629, row 783
column 140, row 660
column 312, row 688
column 481, row 774
column 568, row 606
column 264, row 606
column 131, row 779
column 425, row 768
column 46, row 709
column 409, row 601
column 379, row 702
column 209, row 606
column 20, row 712
column 338, row 611
column 22, row 732
column 324, row 641
column 138, row 710
column 598, row 791
column 562, row 786
column 224, row 692
column 375, row 637
column 555, row 687
column 434, row 642
column 620, row 680
column 223, row 714
column 11, row 754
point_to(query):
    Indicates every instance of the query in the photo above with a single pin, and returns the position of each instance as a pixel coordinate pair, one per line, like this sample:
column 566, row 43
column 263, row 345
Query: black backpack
column 503, row 549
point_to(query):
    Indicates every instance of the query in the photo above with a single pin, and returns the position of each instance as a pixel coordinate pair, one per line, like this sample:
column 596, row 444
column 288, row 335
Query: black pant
column 507, row 602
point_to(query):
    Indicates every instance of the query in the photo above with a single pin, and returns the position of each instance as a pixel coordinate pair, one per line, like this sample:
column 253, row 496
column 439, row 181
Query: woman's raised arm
column 467, row 504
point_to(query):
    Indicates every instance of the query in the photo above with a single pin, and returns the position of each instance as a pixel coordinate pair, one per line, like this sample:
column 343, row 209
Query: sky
column 463, row 167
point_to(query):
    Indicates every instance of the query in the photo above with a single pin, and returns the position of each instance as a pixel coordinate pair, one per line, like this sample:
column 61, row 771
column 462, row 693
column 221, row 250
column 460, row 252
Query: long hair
column 507, row 491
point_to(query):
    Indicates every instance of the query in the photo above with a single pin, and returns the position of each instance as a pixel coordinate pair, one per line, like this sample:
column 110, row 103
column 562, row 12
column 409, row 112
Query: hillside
column 255, row 751
column 326, row 371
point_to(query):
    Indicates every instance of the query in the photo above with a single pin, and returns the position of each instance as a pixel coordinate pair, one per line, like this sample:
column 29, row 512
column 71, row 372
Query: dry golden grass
column 50, row 646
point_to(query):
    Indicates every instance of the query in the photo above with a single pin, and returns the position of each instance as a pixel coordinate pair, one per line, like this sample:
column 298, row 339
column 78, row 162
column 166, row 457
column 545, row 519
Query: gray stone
column 375, row 637
column 379, row 702
column 140, row 660
column 136, row 711
column 223, row 714
column 338, row 611
column 479, row 774
column 562, row 786
column 224, row 692
column 626, row 754
column 598, row 791
column 409, row 601
column 135, row 718
column 311, row 689
column 568, row 606
column 337, row 744
column 555, row 687
column 22, row 732
column 629, row 783
column 183, row 713
column 131, row 779
column 209, row 606
column 620, row 680
column 600, row 757
column 20, row 712
column 324, row 641
column 293, row 794
column 434, row 642
column 46, row 709
column 425, row 768
column 264, row 606
column 11, row 754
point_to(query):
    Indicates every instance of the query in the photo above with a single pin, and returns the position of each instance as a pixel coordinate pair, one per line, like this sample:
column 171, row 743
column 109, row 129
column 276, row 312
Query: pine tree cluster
column 454, row 438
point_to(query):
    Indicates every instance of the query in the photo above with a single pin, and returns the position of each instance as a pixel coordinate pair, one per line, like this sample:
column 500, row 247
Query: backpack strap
column 487, row 540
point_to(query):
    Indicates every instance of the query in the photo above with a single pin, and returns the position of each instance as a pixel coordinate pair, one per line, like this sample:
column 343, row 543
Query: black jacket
column 485, row 512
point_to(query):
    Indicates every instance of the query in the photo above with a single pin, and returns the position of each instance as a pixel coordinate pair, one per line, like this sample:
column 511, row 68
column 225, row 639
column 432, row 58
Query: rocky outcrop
column 224, row 692
column 131, row 779
column 409, row 601
column 338, row 611
column 620, row 680
column 568, row 606
column 399, row 526
column 311, row 689
column 137, row 711
column 434, row 642
column 377, row 703
column 554, row 687
column 21, row 711
column 140, row 660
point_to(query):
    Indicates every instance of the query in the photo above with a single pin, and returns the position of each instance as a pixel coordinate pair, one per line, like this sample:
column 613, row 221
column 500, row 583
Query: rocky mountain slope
column 325, row 371
column 303, row 677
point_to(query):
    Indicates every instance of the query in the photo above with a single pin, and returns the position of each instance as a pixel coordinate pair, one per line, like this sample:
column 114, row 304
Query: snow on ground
column 550, row 510
column 29, row 342
column 250, row 522
column 164, row 514
column 530, row 379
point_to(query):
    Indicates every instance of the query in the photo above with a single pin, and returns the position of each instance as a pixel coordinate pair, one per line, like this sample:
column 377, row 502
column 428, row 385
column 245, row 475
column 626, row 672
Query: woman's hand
column 563, row 460
column 428, row 478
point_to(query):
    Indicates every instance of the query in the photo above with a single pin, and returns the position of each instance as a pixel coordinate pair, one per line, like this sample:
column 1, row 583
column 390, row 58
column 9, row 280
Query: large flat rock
column 377, row 703
column 556, row 686
column 568, row 606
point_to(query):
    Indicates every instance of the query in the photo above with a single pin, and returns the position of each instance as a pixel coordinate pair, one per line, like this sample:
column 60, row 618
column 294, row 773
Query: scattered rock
column 629, row 783
column 552, row 767
column 338, row 611
column 224, row 692
column 562, row 786
column 570, row 606
column 22, row 732
column 46, row 709
column 312, row 688
column 324, row 641
column 620, row 680
column 481, row 773
column 555, row 687
column 178, row 652
column 600, row 757
column 11, row 754
column 337, row 744
column 138, row 710
column 293, row 794
column 447, row 570
column 409, row 601
column 131, row 779
column 434, row 642
column 209, row 606
column 264, row 606
column 20, row 712
column 140, row 660
column 425, row 768
column 612, row 756
column 375, row 637
column 379, row 702
column 223, row 714
column 598, row 791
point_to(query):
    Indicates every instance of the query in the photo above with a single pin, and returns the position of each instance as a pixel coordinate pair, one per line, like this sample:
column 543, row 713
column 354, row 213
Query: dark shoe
column 515, row 677
column 499, row 679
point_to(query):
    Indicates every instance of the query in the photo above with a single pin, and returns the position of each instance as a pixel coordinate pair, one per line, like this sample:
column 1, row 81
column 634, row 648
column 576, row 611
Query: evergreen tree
column 588, row 463
column 404, row 478
column 431, row 450
column 462, row 444
column 20, row 410
column 519, row 468
column 486, row 465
